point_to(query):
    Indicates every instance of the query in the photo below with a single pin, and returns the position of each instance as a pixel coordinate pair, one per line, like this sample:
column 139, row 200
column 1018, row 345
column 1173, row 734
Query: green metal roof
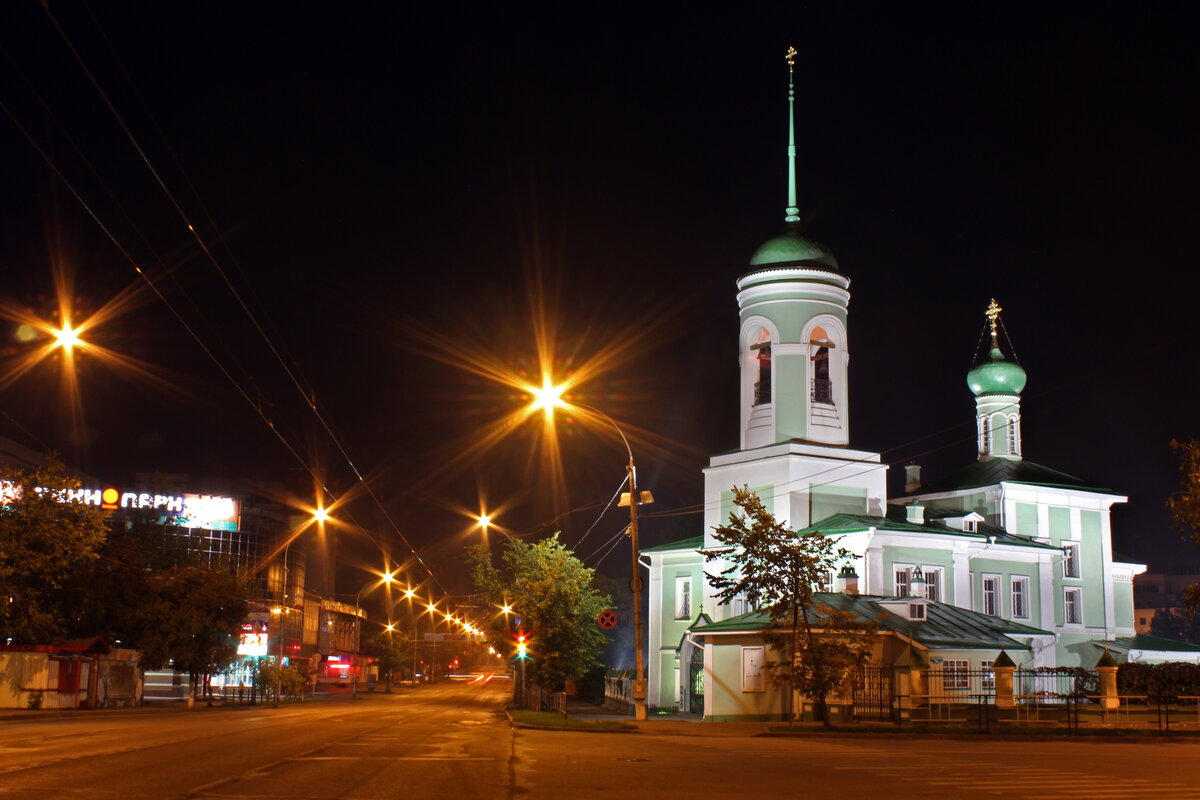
column 945, row 626
column 691, row 543
column 792, row 249
column 1121, row 646
column 992, row 471
column 997, row 375
column 851, row 523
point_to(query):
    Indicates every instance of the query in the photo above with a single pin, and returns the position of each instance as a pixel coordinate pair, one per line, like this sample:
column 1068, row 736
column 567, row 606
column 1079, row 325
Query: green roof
column 790, row 248
column 997, row 375
column 991, row 471
column 850, row 523
column 945, row 626
column 1121, row 646
column 691, row 543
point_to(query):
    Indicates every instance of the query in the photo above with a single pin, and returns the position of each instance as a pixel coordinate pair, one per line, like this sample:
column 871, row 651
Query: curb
column 513, row 723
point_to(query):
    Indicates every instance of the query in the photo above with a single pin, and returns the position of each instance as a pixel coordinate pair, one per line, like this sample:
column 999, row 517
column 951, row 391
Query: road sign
column 607, row 619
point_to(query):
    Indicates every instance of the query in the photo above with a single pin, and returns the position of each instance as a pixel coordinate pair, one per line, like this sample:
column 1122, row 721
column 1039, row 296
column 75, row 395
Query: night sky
column 394, row 193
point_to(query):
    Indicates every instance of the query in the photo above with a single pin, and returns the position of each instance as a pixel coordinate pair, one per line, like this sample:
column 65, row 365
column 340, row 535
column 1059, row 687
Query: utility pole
column 635, row 585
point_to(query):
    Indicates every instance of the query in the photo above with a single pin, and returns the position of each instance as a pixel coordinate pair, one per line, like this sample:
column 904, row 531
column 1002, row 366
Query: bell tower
column 793, row 343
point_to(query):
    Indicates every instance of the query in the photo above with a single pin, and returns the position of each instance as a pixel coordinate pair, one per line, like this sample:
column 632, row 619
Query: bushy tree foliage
column 153, row 589
column 393, row 649
column 1185, row 506
column 45, row 542
column 777, row 570
column 553, row 594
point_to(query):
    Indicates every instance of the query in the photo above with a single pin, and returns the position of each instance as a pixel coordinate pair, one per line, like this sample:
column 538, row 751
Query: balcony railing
column 762, row 392
column 822, row 391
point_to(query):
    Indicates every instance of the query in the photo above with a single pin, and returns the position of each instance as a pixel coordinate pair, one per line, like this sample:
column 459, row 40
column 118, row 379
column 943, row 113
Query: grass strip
column 552, row 719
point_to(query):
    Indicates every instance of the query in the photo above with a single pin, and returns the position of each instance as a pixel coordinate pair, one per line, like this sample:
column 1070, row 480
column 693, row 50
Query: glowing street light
column 547, row 399
column 67, row 338
column 384, row 579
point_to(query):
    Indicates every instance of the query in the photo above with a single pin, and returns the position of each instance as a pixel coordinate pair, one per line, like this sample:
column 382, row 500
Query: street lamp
column 385, row 578
column 546, row 399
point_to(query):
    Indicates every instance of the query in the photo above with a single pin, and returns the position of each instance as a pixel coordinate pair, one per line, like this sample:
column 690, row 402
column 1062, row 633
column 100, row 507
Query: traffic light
column 520, row 645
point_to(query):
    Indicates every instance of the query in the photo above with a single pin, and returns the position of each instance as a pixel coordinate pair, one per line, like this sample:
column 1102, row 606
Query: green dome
column 996, row 376
column 792, row 248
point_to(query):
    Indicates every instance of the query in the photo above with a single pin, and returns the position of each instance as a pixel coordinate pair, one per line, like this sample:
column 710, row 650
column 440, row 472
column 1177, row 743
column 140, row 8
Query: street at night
column 453, row 740
column 344, row 350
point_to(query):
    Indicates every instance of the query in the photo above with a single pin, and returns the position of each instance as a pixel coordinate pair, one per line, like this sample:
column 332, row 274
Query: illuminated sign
column 252, row 644
column 210, row 512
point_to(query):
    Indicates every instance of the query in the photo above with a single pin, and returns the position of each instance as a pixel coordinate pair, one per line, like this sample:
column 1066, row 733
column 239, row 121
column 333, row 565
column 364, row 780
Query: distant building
column 1158, row 592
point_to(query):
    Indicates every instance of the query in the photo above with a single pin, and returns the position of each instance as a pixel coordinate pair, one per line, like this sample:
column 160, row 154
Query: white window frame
column 683, row 586
column 1075, row 606
column 956, row 674
column 916, row 611
column 1023, row 582
column 752, row 669
column 970, row 525
column 987, row 669
column 1070, row 559
column 994, row 580
column 938, row 584
column 907, row 570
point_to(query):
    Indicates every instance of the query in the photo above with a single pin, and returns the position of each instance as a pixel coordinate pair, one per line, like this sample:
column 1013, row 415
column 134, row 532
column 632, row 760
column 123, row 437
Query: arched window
column 762, row 352
column 982, row 432
column 1012, row 435
column 822, row 387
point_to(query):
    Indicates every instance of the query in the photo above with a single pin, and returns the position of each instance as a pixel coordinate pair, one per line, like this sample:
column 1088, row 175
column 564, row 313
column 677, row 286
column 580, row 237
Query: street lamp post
column 548, row 397
column 387, row 577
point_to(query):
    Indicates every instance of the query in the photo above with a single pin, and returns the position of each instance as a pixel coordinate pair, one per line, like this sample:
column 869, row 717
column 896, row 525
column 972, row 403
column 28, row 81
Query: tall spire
column 793, row 213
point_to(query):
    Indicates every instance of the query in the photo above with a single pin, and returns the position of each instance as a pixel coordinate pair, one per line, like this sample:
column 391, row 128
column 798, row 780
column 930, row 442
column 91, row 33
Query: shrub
column 35, row 699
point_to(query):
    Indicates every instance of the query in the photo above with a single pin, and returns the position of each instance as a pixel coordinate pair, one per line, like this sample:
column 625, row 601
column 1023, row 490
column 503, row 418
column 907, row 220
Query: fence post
column 1003, row 668
column 1107, row 667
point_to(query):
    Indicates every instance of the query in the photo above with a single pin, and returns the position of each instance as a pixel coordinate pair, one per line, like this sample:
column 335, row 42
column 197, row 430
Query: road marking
column 394, row 758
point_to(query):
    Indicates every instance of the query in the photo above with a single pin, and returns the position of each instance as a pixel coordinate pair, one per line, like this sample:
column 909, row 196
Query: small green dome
column 996, row 376
column 792, row 248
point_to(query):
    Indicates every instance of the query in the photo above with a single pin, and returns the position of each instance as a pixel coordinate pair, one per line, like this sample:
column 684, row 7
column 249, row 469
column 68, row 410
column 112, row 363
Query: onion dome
column 997, row 375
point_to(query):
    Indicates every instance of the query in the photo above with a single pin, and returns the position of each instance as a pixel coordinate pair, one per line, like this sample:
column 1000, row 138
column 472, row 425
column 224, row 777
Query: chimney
column 916, row 513
column 912, row 478
column 847, row 581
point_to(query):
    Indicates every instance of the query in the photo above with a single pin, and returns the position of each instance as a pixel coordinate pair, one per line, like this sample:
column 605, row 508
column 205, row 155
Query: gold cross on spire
column 993, row 313
column 791, row 58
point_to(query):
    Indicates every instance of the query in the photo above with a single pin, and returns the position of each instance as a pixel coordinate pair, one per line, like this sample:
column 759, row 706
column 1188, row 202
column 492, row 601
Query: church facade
column 1001, row 554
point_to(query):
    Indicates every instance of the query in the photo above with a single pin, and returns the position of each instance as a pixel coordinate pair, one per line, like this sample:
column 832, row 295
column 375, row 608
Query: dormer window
column 970, row 525
column 916, row 612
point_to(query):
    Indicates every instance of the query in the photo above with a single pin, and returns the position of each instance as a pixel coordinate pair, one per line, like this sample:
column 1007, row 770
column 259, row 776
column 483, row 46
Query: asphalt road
column 452, row 741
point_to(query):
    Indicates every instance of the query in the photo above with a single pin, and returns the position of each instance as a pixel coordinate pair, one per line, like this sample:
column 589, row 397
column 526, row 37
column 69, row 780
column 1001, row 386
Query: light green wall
column 827, row 500
column 1007, row 570
column 667, row 662
column 1060, row 524
column 765, row 492
column 690, row 565
column 1123, row 604
column 1091, row 558
column 1027, row 519
column 922, row 557
column 791, row 384
column 728, row 701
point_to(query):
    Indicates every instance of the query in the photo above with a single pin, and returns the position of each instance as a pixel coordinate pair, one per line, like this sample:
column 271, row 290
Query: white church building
column 1006, row 554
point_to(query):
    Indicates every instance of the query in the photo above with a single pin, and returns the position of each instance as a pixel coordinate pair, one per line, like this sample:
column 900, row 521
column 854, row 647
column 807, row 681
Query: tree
column 553, row 594
column 393, row 649
column 152, row 588
column 777, row 570
column 46, row 540
column 1185, row 507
